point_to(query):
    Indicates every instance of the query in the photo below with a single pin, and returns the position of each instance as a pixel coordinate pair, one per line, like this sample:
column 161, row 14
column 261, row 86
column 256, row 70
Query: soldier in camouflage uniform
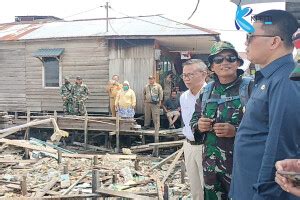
column 66, row 94
column 80, row 94
column 217, row 121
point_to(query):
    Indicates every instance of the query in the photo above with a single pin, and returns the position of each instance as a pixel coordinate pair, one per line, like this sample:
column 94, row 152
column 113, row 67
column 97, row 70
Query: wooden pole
column 24, row 185
column 95, row 181
column 156, row 136
column 26, row 136
column 59, row 156
column 136, row 164
column 85, row 131
column 182, row 172
column 26, row 153
column 166, row 192
column 117, row 133
column 95, row 160
column 66, row 169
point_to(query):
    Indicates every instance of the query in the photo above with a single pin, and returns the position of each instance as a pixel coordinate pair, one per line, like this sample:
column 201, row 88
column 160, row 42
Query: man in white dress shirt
column 194, row 74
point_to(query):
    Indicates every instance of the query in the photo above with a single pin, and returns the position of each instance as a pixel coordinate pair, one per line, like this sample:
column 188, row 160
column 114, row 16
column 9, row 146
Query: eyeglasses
column 220, row 59
column 250, row 36
column 189, row 75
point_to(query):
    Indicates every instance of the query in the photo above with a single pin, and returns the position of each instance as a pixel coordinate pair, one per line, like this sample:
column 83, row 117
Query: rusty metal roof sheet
column 130, row 26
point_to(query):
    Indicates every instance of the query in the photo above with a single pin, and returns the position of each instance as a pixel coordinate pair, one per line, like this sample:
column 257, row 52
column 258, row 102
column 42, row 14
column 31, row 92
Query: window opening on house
column 51, row 65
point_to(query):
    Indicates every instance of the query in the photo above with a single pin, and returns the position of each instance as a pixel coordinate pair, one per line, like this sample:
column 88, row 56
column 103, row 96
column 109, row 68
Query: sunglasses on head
column 220, row 59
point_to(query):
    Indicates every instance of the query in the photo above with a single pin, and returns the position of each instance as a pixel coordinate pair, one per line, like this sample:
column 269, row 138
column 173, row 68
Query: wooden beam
column 85, row 131
column 171, row 167
column 26, row 136
column 48, row 187
column 26, row 144
column 124, row 194
column 164, row 160
column 9, row 131
column 75, row 183
column 31, row 161
column 117, row 133
column 89, row 146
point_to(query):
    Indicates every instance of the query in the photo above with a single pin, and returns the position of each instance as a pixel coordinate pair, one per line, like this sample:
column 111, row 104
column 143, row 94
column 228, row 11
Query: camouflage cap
column 220, row 46
column 78, row 78
column 67, row 78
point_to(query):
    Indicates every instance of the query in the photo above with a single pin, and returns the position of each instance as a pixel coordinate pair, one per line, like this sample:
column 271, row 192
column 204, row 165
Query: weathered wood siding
column 87, row 58
column 132, row 61
column 12, row 76
column 21, row 76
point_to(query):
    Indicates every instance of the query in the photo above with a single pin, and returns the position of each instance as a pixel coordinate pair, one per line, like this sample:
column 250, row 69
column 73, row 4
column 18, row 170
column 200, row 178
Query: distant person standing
column 153, row 96
column 66, row 94
column 80, row 93
column 113, row 87
column 126, row 101
column 194, row 74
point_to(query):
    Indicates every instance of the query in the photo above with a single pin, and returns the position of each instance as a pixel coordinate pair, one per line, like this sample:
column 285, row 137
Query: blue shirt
column 269, row 131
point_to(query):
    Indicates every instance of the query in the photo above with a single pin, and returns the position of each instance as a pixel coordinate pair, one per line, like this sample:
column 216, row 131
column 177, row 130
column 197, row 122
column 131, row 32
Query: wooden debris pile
column 57, row 173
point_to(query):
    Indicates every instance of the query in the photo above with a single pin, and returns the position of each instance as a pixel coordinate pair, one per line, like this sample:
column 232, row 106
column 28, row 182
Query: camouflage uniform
column 218, row 151
column 80, row 94
column 66, row 91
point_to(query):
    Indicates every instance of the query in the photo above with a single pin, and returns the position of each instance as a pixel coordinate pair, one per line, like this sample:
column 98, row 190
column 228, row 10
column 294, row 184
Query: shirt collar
column 275, row 65
column 198, row 93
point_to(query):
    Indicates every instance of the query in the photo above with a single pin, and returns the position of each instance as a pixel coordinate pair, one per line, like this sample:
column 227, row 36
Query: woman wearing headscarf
column 125, row 101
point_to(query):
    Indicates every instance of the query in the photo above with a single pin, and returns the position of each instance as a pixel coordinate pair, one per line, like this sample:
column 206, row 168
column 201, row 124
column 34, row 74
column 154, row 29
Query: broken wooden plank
column 48, row 187
column 72, row 196
column 166, row 144
column 123, row 194
column 25, row 144
column 89, row 146
column 9, row 131
column 164, row 160
column 19, row 161
column 75, row 183
column 34, row 140
column 171, row 167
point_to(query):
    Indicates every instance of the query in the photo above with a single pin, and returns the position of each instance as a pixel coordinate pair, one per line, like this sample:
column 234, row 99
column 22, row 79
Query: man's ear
column 275, row 42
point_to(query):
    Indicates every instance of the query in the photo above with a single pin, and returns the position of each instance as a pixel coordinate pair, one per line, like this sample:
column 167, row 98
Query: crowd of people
column 237, row 129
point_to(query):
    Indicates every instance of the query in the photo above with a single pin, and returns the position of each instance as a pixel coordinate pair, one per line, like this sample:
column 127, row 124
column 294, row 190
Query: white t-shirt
column 187, row 104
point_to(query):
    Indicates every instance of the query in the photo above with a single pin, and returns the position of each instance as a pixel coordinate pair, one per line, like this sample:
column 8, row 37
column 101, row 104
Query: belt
column 193, row 142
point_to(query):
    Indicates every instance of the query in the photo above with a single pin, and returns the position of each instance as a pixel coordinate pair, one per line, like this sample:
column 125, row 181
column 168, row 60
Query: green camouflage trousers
column 68, row 106
column 217, row 167
column 80, row 108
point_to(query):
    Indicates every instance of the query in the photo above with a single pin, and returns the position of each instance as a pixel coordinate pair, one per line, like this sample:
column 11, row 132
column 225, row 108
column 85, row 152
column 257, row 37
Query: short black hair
column 283, row 24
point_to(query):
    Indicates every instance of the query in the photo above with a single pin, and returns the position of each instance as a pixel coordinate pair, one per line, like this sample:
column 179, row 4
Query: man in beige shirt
column 153, row 96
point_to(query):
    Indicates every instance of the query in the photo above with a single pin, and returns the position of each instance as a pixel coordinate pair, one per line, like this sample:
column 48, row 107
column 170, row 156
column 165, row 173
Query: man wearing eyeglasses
column 194, row 74
column 218, row 113
column 270, row 127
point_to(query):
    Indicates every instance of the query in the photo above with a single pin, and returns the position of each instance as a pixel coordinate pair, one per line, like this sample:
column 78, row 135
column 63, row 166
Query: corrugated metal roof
column 131, row 26
column 48, row 52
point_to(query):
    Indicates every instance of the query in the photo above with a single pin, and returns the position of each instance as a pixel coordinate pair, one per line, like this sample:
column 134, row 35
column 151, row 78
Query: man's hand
column 224, row 130
column 205, row 124
column 292, row 165
column 64, row 98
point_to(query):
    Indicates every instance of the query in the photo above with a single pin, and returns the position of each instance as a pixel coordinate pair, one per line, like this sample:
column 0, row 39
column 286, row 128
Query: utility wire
column 138, row 18
column 83, row 12
column 194, row 10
